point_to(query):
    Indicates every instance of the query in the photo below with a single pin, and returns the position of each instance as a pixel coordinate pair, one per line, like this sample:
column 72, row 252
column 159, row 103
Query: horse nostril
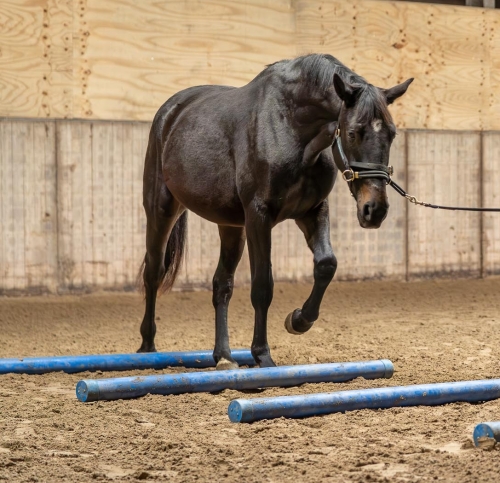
column 368, row 210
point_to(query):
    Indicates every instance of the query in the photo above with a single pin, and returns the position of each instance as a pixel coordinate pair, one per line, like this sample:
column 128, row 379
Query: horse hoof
column 266, row 361
column 289, row 323
column 296, row 324
column 224, row 365
column 146, row 349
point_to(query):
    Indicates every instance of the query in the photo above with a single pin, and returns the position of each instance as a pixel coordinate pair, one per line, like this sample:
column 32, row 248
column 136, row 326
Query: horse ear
column 344, row 90
column 397, row 91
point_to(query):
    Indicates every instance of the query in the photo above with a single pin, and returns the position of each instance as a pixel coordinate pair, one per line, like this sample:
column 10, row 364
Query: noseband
column 353, row 170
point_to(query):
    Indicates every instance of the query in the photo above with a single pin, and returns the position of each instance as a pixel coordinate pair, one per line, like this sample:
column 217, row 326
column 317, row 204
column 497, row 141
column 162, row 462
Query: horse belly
column 211, row 197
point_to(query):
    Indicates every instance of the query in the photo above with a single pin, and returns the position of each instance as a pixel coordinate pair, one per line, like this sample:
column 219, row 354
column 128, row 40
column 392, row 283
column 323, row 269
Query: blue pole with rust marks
column 284, row 376
column 486, row 435
column 118, row 362
column 249, row 410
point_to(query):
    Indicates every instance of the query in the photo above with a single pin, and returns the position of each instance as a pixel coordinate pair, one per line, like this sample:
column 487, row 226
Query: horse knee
column 325, row 268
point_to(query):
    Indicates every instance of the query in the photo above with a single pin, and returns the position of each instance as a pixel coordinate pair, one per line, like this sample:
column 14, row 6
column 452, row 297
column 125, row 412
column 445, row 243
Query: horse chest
column 297, row 192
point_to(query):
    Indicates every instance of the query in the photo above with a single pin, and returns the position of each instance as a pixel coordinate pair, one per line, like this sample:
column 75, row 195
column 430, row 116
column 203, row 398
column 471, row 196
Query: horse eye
column 351, row 134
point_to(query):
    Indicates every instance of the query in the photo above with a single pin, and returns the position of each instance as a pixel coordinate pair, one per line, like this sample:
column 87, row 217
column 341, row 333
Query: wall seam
column 481, row 204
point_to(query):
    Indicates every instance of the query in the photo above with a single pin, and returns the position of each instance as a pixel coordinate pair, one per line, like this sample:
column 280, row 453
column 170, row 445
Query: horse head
column 366, row 131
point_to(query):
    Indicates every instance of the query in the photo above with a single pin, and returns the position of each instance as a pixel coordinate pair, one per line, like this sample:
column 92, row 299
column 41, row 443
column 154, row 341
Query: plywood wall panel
column 36, row 56
column 446, row 49
column 174, row 45
column 75, row 194
column 444, row 168
column 85, row 228
column 492, row 92
column 121, row 59
column 6, row 206
column 101, row 235
column 491, row 198
column 28, row 250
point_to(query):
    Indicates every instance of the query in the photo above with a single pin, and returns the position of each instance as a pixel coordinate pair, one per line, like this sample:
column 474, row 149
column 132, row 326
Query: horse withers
column 248, row 158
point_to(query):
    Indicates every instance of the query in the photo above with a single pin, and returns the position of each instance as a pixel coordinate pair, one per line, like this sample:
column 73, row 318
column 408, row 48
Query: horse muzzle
column 372, row 213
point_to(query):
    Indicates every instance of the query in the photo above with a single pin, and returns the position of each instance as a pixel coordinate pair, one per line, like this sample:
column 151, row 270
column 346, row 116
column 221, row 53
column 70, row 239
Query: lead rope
column 415, row 201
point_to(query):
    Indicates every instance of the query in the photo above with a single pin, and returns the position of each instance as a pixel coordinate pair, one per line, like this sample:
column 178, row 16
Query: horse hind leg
column 232, row 244
column 165, row 239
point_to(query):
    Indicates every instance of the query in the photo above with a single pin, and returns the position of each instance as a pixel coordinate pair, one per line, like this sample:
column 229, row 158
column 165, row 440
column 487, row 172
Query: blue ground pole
column 212, row 381
column 486, row 435
column 248, row 410
column 118, row 362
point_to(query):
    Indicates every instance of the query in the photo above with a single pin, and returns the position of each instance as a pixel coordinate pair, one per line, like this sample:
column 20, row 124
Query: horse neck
column 312, row 110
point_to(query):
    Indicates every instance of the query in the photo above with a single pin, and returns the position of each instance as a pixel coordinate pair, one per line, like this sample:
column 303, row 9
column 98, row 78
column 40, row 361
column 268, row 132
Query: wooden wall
column 120, row 59
column 80, row 80
column 28, row 206
column 71, row 212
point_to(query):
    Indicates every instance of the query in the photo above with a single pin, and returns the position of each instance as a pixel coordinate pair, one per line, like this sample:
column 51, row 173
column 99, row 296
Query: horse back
column 168, row 113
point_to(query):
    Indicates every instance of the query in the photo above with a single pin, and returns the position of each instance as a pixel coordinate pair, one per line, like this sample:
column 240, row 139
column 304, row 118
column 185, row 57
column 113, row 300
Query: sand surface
column 434, row 331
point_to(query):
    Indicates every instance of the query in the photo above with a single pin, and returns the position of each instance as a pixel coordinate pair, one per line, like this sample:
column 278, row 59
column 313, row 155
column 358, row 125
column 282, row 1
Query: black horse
column 248, row 158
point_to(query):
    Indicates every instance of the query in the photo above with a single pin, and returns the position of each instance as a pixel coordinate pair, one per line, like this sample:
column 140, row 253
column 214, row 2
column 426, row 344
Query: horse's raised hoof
column 296, row 324
column 145, row 348
column 224, row 365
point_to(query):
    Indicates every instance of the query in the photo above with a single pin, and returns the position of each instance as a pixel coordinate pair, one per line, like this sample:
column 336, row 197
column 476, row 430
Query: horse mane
column 318, row 70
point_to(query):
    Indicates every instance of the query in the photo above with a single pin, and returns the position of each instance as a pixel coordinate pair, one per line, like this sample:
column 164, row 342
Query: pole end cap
column 484, row 436
column 389, row 368
column 240, row 411
column 87, row 390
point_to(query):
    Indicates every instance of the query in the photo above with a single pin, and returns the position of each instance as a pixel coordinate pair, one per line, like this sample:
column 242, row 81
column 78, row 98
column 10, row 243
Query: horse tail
column 174, row 253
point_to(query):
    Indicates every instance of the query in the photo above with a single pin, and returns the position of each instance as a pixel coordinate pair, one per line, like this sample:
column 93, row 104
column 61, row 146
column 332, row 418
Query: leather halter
column 363, row 170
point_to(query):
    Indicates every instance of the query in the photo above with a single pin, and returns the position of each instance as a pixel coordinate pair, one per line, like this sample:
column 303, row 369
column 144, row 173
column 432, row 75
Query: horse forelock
column 371, row 105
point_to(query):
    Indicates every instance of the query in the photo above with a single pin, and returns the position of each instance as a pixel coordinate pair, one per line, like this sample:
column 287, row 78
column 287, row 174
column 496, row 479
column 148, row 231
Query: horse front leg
column 316, row 229
column 258, row 227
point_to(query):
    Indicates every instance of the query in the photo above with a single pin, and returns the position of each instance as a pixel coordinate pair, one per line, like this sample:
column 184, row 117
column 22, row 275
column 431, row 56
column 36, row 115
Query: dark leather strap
column 372, row 166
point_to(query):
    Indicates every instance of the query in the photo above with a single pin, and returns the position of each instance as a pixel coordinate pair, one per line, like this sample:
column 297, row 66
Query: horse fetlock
column 296, row 324
column 265, row 360
column 147, row 348
column 262, row 356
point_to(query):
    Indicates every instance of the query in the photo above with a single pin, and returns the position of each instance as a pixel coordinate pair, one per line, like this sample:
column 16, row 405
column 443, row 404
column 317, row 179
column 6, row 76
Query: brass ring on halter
column 352, row 175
